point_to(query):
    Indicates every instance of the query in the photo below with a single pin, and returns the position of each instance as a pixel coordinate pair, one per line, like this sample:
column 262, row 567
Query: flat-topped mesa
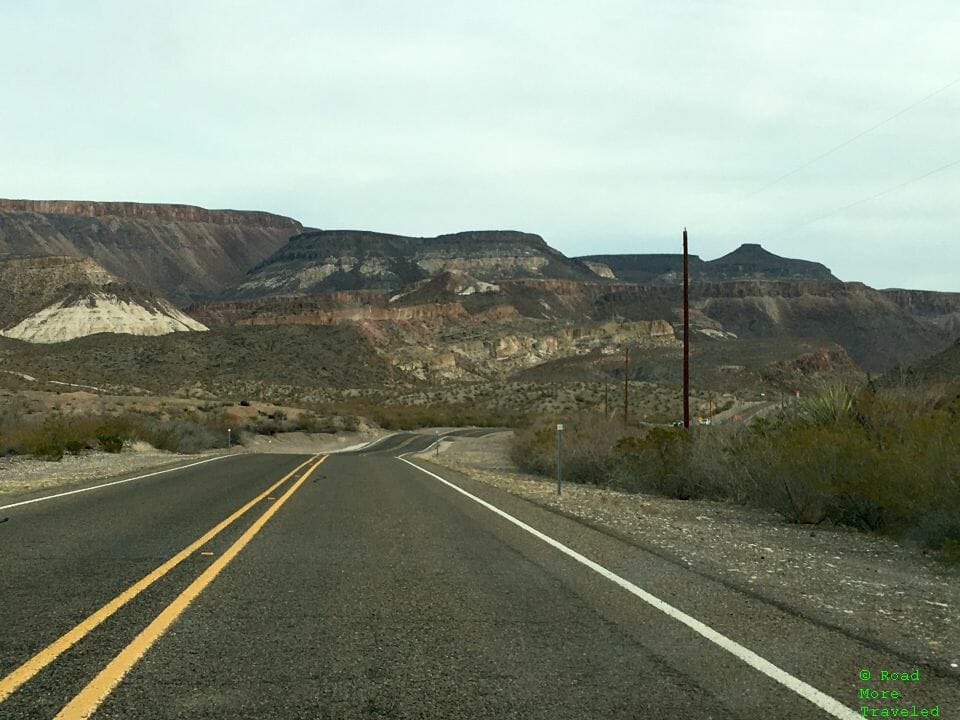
column 329, row 260
column 150, row 211
column 750, row 260
column 184, row 252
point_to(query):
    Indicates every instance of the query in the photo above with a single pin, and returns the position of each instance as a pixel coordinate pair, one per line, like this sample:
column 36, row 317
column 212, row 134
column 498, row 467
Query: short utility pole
column 686, row 334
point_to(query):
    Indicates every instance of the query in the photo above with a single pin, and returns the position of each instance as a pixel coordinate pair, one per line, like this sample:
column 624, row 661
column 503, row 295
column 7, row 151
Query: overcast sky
column 604, row 126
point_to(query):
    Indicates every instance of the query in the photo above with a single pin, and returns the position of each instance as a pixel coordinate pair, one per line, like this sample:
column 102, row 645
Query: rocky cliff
column 183, row 252
column 748, row 262
column 357, row 260
column 939, row 309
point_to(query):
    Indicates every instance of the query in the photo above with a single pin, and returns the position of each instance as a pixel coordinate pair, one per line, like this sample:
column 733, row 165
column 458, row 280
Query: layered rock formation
column 183, row 252
column 748, row 262
column 939, row 309
column 53, row 299
column 356, row 260
column 108, row 311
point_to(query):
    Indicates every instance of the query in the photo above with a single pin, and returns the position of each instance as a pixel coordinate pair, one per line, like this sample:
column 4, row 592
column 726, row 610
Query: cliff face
column 150, row 211
column 749, row 261
column 186, row 253
column 940, row 309
column 874, row 330
column 357, row 260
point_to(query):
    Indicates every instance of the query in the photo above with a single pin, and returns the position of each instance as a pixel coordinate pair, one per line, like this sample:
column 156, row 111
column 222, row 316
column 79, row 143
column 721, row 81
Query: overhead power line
column 861, row 201
column 852, row 139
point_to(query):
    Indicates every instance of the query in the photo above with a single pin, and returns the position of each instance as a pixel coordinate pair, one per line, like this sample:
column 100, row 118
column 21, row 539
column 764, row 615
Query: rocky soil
column 868, row 586
column 20, row 476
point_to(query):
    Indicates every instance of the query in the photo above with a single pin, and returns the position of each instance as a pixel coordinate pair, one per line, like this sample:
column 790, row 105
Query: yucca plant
column 830, row 407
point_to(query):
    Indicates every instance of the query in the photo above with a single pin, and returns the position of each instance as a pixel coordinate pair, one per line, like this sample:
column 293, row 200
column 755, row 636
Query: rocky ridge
column 185, row 253
column 750, row 261
column 332, row 260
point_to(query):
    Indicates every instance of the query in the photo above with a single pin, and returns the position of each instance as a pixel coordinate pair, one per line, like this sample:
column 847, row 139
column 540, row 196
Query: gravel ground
column 24, row 474
column 19, row 475
column 868, row 586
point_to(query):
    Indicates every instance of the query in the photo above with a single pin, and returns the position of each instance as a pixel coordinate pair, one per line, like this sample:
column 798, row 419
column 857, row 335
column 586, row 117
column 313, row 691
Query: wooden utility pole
column 606, row 408
column 686, row 335
column 626, row 387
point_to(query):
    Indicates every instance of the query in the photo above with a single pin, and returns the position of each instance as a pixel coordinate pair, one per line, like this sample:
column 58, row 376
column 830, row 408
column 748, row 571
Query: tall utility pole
column 626, row 387
column 686, row 335
column 606, row 407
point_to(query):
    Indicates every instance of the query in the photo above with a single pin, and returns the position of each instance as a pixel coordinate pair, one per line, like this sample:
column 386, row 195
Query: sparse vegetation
column 878, row 460
column 57, row 434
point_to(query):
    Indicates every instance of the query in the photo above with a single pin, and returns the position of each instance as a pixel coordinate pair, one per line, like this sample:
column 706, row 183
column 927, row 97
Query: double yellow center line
column 86, row 702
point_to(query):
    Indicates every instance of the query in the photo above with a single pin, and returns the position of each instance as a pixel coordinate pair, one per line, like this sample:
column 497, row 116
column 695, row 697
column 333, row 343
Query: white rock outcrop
column 99, row 312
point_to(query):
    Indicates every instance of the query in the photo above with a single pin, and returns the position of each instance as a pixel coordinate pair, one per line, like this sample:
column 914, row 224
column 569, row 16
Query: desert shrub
column 110, row 443
column 411, row 417
column 75, row 447
column 657, row 463
column 877, row 460
column 184, row 435
column 587, row 455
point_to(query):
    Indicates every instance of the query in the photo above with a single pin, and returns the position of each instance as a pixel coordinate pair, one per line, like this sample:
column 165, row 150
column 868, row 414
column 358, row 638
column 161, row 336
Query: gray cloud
column 604, row 127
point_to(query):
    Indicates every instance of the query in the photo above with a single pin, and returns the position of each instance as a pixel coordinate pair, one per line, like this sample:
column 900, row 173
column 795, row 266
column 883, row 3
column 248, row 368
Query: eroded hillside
column 183, row 252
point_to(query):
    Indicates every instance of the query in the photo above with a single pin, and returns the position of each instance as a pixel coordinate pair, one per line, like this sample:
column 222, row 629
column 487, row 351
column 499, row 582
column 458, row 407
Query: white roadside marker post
column 559, row 445
column 228, row 438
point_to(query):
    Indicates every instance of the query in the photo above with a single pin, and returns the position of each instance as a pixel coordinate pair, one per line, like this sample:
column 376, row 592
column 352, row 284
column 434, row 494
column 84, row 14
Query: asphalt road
column 362, row 587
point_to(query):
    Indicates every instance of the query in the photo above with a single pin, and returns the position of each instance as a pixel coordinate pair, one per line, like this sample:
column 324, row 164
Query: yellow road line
column 404, row 443
column 50, row 653
column 88, row 700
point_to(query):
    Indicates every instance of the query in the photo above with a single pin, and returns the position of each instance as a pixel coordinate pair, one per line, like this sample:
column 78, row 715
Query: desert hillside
column 184, row 252
column 54, row 299
column 330, row 260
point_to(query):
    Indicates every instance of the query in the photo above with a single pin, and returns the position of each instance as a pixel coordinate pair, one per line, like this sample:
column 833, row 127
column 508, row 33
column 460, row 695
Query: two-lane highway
column 359, row 586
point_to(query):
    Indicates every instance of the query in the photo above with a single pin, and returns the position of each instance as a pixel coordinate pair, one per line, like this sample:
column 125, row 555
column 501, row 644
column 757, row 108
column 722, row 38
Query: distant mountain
column 748, row 262
column 53, row 299
column 943, row 366
column 186, row 253
column 647, row 268
column 751, row 262
column 937, row 309
column 332, row 260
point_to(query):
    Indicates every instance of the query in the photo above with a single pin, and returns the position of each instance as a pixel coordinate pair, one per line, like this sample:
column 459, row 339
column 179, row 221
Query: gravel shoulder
column 26, row 476
column 893, row 596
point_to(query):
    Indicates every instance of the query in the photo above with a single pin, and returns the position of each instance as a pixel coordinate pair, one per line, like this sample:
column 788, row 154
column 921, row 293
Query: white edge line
column 808, row 692
column 115, row 482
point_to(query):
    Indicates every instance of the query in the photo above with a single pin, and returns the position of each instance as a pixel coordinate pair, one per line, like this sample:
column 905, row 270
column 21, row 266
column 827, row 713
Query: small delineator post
column 559, row 446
